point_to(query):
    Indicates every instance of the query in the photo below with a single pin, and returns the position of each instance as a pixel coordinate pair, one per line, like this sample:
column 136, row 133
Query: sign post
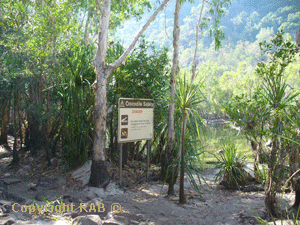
column 135, row 123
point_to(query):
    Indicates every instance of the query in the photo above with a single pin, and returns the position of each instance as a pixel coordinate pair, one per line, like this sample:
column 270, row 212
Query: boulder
column 87, row 220
column 93, row 192
column 83, row 173
column 22, row 172
column 113, row 189
column 10, row 181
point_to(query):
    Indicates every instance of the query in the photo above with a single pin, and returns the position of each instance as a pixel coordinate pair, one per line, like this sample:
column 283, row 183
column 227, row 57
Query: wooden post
column 121, row 164
column 148, row 152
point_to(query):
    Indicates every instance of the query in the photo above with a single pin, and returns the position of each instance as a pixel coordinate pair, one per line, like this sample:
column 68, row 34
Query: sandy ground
column 214, row 206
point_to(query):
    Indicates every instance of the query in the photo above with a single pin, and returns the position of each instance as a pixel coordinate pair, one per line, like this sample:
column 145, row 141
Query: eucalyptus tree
column 169, row 154
column 99, row 174
column 216, row 12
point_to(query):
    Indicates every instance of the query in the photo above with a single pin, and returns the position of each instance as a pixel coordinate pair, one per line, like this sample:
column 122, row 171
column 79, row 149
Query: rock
column 4, row 195
column 27, row 167
column 15, row 209
column 22, row 172
column 130, row 216
column 32, row 189
column 113, row 189
column 72, row 199
column 87, row 220
column 7, row 220
column 93, row 207
column 5, row 206
column 5, row 151
column 51, row 183
column 40, row 196
column 10, row 181
column 124, row 220
column 93, row 192
column 54, row 161
column 3, row 186
column 83, row 173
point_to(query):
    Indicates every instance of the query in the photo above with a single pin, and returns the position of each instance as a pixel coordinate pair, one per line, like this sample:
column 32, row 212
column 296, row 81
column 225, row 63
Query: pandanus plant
column 188, row 99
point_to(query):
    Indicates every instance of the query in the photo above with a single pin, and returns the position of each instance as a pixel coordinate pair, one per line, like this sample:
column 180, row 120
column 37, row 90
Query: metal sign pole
column 121, row 164
column 148, row 152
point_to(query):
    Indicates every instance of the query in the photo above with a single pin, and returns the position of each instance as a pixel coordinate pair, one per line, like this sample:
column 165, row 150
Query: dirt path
column 215, row 206
column 145, row 203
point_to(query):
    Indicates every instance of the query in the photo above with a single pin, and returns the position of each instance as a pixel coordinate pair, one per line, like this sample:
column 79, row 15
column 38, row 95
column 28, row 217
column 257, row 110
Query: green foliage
column 144, row 75
column 262, row 173
column 249, row 114
column 46, row 46
column 194, row 149
column 231, row 166
column 216, row 137
column 188, row 98
column 217, row 11
column 76, row 102
column 269, row 106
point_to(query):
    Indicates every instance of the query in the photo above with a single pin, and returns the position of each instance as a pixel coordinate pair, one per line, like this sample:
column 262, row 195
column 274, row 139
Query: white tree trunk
column 171, row 112
column 298, row 37
column 99, row 174
column 174, row 73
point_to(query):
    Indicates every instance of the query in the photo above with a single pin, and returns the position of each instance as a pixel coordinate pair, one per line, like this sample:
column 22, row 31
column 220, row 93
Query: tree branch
column 196, row 47
column 99, row 6
column 122, row 58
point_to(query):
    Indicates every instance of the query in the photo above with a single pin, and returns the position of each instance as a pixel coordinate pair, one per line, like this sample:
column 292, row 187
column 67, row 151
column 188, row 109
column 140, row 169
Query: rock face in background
column 83, row 173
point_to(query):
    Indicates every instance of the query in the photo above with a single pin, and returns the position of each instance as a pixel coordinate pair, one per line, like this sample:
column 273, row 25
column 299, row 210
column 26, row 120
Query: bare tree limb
column 196, row 47
column 122, row 58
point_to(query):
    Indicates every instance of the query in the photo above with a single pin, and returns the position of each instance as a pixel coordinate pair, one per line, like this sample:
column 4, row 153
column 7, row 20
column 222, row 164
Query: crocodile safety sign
column 135, row 119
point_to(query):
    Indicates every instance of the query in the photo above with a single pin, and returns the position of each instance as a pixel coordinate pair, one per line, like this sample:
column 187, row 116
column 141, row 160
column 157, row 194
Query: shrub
column 232, row 166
